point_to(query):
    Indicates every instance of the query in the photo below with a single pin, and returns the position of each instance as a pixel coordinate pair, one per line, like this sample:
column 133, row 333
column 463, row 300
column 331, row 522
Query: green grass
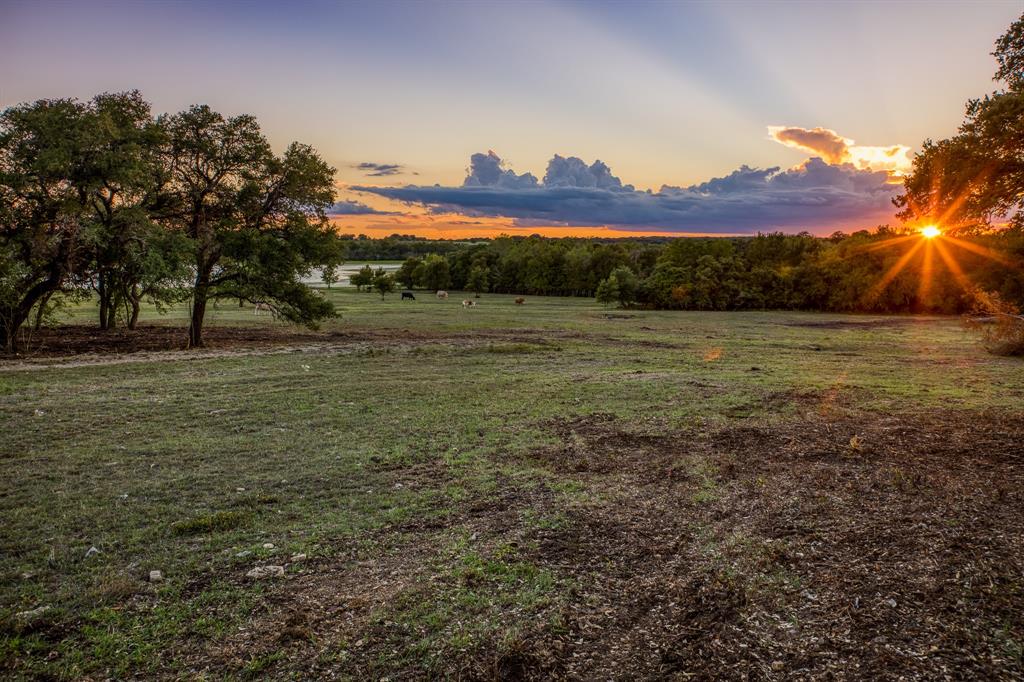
column 192, row 466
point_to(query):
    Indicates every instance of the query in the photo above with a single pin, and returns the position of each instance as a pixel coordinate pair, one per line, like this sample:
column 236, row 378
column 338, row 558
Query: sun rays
column 929, row 240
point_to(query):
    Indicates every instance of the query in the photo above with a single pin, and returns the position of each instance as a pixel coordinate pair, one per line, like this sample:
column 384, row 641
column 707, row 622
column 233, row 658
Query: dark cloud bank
column 352, row 207
column 815, row 195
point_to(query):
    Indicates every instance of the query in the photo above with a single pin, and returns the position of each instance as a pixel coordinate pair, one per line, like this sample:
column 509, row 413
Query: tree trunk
column 199, row 298
column 104, row 292
column 41, row 311
column 135, row 299
column 12, row 325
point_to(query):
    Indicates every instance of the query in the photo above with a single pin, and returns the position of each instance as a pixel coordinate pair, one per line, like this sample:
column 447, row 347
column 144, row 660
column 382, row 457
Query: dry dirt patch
column 871, row 547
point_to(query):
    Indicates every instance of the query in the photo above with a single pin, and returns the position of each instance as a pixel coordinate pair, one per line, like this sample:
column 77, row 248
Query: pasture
column 556, row 489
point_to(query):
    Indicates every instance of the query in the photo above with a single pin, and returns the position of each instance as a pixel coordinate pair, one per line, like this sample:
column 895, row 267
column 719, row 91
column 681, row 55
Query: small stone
column 39, row 413
column 268, row 545
column 891, row 603
column 243, row 553
column 240, row 490
column 92, row 552
column 261, row 572
column 31, row 616
column 156, row 577
column 298, row 557
column 777, row 665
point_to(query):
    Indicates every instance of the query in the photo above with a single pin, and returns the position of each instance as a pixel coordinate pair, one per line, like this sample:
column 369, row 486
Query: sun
column 930, row 231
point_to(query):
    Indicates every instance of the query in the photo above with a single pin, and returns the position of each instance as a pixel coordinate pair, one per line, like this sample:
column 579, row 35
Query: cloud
column 836, row 149
column 827, row 144
column 379, row 169
column 352, row 207
column 488, row 170
column 574, row 172
column 814, row 196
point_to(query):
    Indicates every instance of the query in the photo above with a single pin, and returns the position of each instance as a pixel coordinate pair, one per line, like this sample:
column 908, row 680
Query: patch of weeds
column 222, row 520
column 260, row 664
column 707, row 487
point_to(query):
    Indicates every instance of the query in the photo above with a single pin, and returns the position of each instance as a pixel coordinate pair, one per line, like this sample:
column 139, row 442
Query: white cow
column 443, row 295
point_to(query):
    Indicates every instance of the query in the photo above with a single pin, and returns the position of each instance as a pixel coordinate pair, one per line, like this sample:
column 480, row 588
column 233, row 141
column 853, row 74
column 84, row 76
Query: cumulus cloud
column 815, row 195
column 379, row 169
column 573, row 171
column 352, row 207
column 836, row 149
column 488, row 170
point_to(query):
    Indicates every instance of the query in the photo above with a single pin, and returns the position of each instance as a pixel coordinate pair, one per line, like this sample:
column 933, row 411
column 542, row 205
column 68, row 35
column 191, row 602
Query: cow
column 443, row 295
column 520, row 300
column 468, row 303
column 407, row 295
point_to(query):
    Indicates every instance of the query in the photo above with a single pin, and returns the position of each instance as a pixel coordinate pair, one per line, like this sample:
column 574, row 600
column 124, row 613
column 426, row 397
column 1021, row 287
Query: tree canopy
column 102, row 195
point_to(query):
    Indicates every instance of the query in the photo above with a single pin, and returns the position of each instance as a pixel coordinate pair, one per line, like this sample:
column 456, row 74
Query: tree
column 362, row 278
column 44, row 237
column 332, row 260
column 406, row 275
column 329, row 274
column 621, row 285
column 125, row 184
column 478, row 280
column 978, row 175
column 383, row 282
column 256, row 221
column 433, row 273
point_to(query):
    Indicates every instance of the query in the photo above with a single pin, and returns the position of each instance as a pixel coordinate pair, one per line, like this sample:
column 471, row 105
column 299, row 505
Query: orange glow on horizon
column 457, row 227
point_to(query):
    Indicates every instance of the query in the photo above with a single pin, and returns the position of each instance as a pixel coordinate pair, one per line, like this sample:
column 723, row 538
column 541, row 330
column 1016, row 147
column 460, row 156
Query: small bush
column 222, row 520
column 1000, row 324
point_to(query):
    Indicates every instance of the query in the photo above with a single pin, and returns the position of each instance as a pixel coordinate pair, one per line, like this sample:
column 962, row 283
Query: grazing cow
column 520, row 300
column 443, row 295
column 261, row 306
column 468, row 303
column 407, row 295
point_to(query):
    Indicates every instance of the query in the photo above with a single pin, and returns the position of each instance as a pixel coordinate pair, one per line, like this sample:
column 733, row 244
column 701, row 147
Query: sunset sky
column 470, row 119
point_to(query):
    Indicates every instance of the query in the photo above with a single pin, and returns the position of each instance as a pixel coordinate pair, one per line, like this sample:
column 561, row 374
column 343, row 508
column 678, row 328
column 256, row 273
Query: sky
column 466, row 119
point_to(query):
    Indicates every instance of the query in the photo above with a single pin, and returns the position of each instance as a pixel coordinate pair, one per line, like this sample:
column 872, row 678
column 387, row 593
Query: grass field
column 550, row 490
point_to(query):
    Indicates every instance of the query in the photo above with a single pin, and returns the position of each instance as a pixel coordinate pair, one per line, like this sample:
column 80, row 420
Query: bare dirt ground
column 836, row 546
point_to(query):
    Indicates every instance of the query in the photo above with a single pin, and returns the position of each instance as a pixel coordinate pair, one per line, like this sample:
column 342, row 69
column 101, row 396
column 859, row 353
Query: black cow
column 408, row 295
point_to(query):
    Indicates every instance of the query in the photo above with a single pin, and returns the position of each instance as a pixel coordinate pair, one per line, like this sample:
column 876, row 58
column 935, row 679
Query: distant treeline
column 860, row 272
column 402, row 246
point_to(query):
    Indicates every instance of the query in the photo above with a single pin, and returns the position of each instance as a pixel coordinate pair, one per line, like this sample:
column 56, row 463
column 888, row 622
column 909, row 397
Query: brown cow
column 468, row 303
column 520, row 300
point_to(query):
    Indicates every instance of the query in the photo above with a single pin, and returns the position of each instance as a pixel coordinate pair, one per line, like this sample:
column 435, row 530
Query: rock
column 92, row 552
column 243, row 553
column 156, row 577
column 261, row 572
column 298, row 557
column 268, row 545
column 777, row 665
column 33, row 615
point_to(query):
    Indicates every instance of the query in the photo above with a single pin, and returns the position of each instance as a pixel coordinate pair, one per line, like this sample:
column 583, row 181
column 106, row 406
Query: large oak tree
column 257, row 221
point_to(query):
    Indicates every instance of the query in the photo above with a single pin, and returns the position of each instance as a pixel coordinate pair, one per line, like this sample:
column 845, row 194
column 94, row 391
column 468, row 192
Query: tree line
column 842, row 273
column 104, row 199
